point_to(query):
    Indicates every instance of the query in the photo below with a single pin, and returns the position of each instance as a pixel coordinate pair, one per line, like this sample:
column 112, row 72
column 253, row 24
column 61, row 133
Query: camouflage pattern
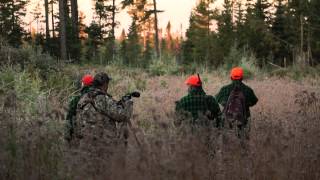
column 97, row 115
column 72, row 111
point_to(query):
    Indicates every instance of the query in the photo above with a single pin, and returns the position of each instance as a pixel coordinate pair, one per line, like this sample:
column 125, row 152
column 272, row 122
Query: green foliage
column 133, row 45
column 225, row 35
column 296, row 73
column 11, row 20
column 158, row 68
column 196, row 48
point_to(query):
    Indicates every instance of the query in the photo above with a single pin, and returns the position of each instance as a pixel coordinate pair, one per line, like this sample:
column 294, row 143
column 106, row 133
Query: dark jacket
column 197, row 102
column 251, row 99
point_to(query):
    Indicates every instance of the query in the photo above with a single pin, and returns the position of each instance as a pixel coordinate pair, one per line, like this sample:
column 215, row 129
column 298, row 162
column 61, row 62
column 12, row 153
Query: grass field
column 284, row 140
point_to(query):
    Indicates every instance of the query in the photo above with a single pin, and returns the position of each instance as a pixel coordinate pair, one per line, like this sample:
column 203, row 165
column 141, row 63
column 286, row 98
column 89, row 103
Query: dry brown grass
column 284, row 141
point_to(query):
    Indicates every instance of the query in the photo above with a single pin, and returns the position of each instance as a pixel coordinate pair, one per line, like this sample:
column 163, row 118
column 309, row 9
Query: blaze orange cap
column 87, row 80
column 193, row 81
column 236, row 73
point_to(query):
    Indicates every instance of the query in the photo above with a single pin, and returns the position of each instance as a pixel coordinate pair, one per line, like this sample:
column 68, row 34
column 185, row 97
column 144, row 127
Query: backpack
column 234, row 111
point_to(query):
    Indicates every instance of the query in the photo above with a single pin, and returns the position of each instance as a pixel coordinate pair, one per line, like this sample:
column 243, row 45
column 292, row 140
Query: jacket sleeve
column 221, row 97
column 214, row 107
column 252, row 100
column 215, row 110
column 114, row 110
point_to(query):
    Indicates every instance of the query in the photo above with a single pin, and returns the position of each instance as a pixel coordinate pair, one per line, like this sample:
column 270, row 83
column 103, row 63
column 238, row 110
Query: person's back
column 97, row 114
column 87, row 81
column 197, row 103
column 249, row 95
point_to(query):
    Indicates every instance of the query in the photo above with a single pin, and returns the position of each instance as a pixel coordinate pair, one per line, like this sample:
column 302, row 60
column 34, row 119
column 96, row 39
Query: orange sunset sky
column 175, row 11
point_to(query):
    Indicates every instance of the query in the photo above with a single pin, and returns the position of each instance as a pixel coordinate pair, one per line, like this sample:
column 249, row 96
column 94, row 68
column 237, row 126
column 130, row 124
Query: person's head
column 101, row 81
column 193, row 82
column 87, row 80
column 236, row 74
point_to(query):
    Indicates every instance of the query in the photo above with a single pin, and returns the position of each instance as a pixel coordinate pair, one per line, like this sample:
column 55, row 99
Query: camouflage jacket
column 198, row 103
column 223, row 95
column 97, row 114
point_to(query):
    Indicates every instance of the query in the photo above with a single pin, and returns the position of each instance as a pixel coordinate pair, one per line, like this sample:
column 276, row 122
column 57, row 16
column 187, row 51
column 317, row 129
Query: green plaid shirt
column 223, row 95
column 198, row 102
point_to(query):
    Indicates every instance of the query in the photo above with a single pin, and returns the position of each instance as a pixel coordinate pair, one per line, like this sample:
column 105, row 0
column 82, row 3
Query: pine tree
column 169, row 40
column 257, row 27
column 239, row 25
column 225, row 32
column 147, row 54
column 124, row 48
column 105, row 11
column 196, row 49
column 11, row 23
column 133, row 46
column 93, row 41
column 281, row 34
column 314, row 32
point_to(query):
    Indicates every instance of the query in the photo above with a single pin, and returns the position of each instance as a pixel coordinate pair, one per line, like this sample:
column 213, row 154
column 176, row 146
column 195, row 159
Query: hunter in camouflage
column 97, row 115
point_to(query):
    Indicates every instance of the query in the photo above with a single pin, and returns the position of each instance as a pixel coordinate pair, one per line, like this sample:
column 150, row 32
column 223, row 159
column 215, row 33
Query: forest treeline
column 278, row 33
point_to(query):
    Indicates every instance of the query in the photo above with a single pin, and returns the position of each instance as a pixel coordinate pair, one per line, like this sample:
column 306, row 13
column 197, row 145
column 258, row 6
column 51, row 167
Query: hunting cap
column 194, row 80
column 236, row 73
column 87, row 80
column 100, row 79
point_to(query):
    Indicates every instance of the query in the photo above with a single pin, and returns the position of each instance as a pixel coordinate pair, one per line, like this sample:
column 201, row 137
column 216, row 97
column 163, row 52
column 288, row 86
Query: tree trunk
column 113, row 28
column 74, row 18
column 63, row 34
column 52, row 20
column 46, row 8
column 156, row 42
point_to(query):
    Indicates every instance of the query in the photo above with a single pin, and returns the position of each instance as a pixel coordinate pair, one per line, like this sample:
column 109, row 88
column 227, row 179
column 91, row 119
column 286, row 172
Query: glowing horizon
column 175, row 11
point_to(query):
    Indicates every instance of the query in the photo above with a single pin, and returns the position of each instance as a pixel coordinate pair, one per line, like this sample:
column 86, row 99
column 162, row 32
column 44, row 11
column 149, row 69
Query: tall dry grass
column 284, row 139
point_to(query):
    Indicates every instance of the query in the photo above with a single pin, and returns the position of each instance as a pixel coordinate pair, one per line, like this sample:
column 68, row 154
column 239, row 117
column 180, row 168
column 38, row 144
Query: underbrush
column 284, row 140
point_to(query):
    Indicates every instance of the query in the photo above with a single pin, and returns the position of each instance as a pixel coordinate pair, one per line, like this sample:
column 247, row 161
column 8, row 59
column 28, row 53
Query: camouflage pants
column 98, row 150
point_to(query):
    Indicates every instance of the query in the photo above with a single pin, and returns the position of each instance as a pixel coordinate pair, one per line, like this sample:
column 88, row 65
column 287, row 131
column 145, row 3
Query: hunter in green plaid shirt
column 198, row 103
column 223, row 95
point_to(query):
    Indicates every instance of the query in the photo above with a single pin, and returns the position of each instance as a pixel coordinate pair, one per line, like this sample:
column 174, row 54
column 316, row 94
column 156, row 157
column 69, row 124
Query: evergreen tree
column 225, row 32
column 133, row 46
column 196, row 48
column 314, row 31
column 147, row 54
column 239, row 29
column 93, row 41
column 105, row 11
column 281, row 34
column 11, row 23
column 257, row 27
column 124, row 48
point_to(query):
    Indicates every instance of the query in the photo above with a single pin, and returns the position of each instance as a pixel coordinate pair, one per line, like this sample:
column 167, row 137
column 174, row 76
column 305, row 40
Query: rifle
column 127, row 97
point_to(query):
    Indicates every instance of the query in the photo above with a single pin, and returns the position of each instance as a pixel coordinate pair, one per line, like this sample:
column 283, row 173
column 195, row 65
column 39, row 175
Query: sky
column 175, row 11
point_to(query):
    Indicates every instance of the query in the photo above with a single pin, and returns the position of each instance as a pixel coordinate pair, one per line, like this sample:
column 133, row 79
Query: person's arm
column 215, row 110
column 221, row 97
column 252, row 100
column 114, row 110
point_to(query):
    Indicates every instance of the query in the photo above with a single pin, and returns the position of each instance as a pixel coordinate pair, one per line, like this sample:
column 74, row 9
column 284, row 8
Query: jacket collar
column 196, row 91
